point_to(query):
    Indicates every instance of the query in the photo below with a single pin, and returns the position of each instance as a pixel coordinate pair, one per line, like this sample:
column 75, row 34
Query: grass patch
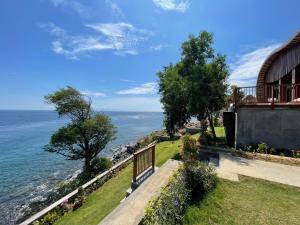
column 250, row 201
column 101, row 202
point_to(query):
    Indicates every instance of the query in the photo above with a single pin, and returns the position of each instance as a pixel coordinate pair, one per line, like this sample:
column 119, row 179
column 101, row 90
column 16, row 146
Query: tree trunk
column 211, row 124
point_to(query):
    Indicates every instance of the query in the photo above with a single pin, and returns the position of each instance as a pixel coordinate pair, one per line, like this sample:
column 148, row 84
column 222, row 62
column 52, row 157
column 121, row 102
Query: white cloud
column 245, row 70
column 93, row 94
column 158, row 47
column 78, row 7
column 121, row 38
column 175, row 5
column 147, row 88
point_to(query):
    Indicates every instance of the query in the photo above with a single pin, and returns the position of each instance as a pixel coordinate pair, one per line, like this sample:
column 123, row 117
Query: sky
column 111, row 50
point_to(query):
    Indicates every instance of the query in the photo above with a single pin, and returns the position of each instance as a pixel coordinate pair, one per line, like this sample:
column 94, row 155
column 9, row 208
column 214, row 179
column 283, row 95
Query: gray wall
column 278, row 128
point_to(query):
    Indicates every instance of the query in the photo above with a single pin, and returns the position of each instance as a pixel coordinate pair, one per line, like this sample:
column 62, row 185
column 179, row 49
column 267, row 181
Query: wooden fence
column 143, row 159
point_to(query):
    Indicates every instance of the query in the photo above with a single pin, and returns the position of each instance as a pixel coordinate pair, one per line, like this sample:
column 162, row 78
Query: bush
column 200, row 178
column 193, row 180
column 205, row 138
column 80, row 198
column 262, row 148
column 168, row 208
column 203, row 125
column 99, row 165
column 190, row 148
column 48, row 219
column 216, row 121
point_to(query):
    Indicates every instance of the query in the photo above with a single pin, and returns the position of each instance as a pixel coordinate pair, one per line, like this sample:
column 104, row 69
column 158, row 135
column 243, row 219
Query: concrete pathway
column 230, row 166
column 131, row 211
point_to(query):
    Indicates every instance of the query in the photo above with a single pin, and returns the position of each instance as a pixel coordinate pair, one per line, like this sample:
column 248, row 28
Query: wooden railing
column 143, row 159
column 283, row 95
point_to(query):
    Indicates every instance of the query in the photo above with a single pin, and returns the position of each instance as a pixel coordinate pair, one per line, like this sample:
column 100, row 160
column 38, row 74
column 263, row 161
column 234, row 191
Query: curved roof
column 295, row 40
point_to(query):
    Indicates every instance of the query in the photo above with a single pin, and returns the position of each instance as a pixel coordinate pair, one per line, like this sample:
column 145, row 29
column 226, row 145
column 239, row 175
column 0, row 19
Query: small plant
column 203, row 126
column 262, row 148
column 170, row 205
column 205, row 138
column 99, row 165
column 49, row 219
column 216, row 121
column 190, row 149
column 193, row 180
column 80, row 198
column 200, row 178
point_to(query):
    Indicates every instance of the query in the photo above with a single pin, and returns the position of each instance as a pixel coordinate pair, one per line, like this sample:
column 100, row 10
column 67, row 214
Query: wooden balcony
column 273, row 95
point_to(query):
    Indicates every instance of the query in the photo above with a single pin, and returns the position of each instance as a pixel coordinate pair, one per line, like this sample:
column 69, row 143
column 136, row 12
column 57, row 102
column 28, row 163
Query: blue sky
column 111, row 50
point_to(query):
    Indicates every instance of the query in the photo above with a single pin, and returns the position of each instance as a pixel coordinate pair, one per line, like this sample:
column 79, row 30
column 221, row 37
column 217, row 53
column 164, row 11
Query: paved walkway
column 229, row 167
column 131, row 211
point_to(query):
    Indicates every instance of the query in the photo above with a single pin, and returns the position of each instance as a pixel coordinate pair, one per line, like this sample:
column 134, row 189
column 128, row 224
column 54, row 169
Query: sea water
column 28, row 173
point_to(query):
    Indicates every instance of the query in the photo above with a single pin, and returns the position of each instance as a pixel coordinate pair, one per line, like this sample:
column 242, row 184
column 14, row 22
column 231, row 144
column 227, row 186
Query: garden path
column 131, row 210
column 230, row 166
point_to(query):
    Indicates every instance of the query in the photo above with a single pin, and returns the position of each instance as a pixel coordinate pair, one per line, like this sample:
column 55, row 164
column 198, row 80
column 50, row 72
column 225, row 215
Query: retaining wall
column 278, row 128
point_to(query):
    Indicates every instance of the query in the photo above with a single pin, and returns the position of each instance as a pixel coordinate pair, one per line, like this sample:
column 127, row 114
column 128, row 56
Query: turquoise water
column 27, row 172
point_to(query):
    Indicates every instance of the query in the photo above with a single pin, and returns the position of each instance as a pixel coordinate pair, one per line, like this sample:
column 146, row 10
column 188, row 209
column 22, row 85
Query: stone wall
column 278, row 128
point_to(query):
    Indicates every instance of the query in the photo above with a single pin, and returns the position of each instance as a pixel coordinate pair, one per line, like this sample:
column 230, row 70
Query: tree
column 205, row 74
column 87, row 133
column 173, row 96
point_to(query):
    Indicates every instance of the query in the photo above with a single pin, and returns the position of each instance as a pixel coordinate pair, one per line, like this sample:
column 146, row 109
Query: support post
column 293, row 83
column 153, row 158
column 279, row 91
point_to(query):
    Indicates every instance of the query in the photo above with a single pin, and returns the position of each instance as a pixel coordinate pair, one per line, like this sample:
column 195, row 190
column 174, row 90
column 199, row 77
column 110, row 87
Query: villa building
column 270, row 111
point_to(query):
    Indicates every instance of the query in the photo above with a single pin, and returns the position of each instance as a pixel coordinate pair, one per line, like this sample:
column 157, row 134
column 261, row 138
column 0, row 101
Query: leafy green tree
column 173, row 96
column 206, row 74
column 196, row 86
column 87, row 133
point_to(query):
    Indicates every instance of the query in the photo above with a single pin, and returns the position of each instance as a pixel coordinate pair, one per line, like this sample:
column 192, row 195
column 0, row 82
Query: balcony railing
column 281, row 95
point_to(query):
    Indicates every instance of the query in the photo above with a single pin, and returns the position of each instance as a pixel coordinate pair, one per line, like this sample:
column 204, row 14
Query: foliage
column 205, row 138
column 200, row 178
column 79, row 199
column 86, row 135
column 48, row 219
column 170, row 205
column 262, row 148
column 173, row 96
column 216, row 121
column 206, row 73
column 99, row 165
column 194, row 180
column 190, row 150
column 203, row 126
column 200, row 79
column 230, row 95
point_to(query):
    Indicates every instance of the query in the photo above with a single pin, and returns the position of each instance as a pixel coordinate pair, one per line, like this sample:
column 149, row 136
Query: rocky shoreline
column 24, row 210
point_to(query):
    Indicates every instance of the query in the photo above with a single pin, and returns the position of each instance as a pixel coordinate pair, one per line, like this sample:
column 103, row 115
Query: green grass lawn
column 250, row 201
column 101, row 202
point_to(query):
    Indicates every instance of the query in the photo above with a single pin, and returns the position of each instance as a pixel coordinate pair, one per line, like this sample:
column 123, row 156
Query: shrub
column 194, row 179
column 205, row 138
column 190, row 148
column 170, row 205
column 80, row 198
column 203, row 125
column 216, row 121
column 200, row 178
column 99, row 165
column 48, row 219
column 262, row 148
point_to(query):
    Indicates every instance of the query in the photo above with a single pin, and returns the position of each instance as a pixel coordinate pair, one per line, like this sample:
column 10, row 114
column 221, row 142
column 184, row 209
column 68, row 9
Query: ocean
column 28, row 173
